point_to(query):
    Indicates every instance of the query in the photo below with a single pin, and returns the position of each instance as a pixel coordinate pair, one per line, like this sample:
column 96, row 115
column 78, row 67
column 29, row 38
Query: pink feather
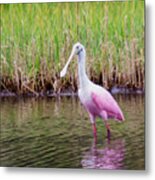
column 105, row 102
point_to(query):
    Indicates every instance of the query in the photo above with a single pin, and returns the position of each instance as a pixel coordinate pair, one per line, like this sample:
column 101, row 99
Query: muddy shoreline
column 114, row 90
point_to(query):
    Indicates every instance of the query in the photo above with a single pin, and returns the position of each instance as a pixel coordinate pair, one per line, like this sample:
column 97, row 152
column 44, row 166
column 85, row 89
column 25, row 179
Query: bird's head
column 77, row 49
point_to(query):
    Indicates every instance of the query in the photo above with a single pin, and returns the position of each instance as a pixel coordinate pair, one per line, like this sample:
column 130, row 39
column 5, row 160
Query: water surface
column 56, row 132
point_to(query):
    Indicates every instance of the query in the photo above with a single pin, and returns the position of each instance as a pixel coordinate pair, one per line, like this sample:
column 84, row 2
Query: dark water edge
column 114, row 90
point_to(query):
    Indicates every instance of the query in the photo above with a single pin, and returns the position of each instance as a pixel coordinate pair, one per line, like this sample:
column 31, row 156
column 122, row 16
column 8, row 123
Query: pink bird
column 97, row 101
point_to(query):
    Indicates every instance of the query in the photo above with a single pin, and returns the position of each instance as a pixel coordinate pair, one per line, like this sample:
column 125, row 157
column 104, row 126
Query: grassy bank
column 36, row 40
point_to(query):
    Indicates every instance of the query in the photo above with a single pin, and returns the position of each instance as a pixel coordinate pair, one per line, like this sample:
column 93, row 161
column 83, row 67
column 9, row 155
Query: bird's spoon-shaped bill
column 64, row 70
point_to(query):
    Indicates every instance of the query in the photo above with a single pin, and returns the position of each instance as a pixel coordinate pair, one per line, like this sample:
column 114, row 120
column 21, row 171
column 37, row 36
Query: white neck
column 83, row 78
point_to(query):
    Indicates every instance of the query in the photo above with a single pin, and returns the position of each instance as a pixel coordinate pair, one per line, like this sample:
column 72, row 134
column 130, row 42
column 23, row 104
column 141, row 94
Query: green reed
column 36, row 40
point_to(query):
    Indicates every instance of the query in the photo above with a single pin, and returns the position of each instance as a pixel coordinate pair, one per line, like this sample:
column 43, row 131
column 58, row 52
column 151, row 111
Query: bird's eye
column 77, row 47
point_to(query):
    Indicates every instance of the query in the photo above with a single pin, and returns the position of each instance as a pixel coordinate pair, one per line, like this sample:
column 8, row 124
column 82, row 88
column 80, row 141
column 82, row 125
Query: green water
column 56, row 132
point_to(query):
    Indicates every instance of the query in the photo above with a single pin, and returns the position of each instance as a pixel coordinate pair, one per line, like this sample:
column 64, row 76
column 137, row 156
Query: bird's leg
column 92, row 119
column 108, row 130
column 94, row 132
column 105, row 118
column 94, row 129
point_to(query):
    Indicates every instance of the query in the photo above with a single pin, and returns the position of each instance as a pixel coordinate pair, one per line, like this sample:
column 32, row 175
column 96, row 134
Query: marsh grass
column 36, row 40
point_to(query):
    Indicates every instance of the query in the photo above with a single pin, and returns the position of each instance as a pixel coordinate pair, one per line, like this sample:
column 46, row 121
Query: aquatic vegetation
column 36, row 40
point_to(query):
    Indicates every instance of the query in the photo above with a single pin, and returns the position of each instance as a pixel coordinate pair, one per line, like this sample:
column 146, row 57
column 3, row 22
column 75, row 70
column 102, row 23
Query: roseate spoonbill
column 97, row 100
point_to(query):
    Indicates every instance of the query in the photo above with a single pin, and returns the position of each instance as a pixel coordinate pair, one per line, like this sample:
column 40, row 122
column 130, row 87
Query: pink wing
column 105, row 102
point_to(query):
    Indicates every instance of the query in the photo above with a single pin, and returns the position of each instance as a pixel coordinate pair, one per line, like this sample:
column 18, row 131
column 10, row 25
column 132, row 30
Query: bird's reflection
column 110, row 156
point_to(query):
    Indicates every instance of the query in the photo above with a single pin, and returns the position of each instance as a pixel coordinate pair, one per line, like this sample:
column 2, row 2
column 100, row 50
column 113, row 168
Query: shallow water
column 56, row 132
